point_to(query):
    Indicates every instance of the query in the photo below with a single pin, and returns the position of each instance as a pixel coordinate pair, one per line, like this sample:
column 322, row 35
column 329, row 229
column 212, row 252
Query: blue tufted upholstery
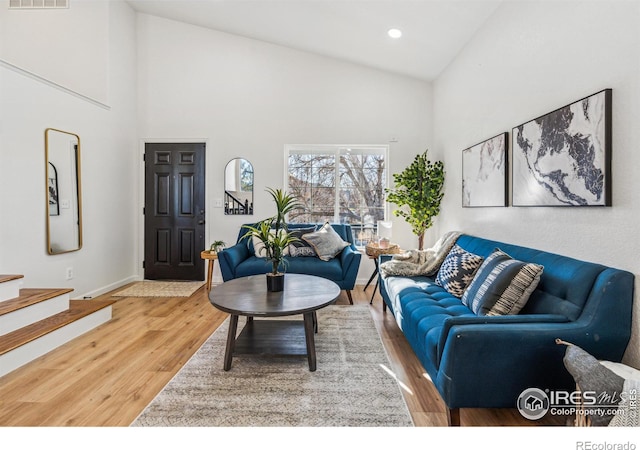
column 481, row 361
column 240, row 261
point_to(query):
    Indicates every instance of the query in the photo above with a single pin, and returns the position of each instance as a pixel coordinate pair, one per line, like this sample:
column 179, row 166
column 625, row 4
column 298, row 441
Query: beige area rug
column 150, row 288
column 352, row 386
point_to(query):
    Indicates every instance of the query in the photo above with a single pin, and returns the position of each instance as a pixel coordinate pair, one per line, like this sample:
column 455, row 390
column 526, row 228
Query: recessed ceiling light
column 394, row 33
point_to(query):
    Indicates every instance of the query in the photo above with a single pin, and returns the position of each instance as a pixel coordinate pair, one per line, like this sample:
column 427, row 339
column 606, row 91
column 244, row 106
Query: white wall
column 108, row 158
column 66, row 46
column 529, row 59
column 249, row 99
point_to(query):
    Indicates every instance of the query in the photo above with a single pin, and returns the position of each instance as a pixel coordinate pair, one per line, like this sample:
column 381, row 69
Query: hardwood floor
column 107, row 376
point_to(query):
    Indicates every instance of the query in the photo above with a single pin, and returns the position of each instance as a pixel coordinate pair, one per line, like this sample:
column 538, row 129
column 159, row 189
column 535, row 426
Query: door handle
column 200, row 222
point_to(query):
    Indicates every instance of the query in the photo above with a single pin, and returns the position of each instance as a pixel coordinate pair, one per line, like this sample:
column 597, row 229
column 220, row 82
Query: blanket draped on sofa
column 415, row 263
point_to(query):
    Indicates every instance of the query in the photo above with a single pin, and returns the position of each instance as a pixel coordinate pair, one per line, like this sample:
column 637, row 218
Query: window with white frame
column 339, row 184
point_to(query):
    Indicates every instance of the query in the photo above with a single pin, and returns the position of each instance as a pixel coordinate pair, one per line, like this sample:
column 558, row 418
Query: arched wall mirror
column 64, row 208
column 238, row 187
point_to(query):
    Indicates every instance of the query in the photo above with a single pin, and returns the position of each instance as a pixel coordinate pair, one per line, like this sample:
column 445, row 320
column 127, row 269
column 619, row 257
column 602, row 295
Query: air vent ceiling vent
column 38, row 4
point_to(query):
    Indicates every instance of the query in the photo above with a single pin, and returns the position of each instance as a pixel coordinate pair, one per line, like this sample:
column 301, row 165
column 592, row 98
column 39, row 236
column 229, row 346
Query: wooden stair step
column 10, row 286
column 77, row 310
column 28, row 297
column 5, row 278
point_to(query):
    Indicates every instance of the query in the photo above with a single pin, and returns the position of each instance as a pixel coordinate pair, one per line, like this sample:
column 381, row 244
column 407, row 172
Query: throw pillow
column 457, row 270
column 258, row 246
column 326, row 242
column 502, row 285
column 301, row 247
column 592, row 376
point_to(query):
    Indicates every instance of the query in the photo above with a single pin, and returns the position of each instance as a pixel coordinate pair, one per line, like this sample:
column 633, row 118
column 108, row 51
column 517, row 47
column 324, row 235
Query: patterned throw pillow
column 301, row 247
column 502, row 285
column 326, row 242
column 457, row 270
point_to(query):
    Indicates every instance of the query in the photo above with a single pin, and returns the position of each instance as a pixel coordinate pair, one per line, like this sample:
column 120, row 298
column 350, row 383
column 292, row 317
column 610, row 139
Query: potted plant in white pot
column 217, row 246
column 272, row 233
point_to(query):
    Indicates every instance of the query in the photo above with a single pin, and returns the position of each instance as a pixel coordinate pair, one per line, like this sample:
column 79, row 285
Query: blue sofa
column 239, row 260
column 488, row 361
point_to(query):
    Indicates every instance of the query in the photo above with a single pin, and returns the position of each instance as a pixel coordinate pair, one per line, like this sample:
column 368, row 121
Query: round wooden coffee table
column 248, row 296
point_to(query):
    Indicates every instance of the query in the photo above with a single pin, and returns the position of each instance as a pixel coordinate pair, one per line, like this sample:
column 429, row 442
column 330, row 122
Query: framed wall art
column 564, row 157
column 484, row 173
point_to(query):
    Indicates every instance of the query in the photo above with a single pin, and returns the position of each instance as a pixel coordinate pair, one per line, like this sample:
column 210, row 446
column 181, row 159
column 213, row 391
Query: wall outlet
column 217, row 203
column 69, row 273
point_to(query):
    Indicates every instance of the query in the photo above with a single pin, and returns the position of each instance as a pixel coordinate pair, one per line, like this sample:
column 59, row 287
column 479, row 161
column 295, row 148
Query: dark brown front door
column 174, row 211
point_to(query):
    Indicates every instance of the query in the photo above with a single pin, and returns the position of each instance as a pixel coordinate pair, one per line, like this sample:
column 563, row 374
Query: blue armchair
column 240, row 261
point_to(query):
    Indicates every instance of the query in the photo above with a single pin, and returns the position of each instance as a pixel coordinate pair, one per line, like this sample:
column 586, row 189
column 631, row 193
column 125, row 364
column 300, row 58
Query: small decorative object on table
column 217, row 246
column 384, row 233
column 373, row 249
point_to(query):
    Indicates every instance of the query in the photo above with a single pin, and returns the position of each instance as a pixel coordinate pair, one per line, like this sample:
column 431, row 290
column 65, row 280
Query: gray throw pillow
column 592, row 376
column 301, row 247
column 326, row 242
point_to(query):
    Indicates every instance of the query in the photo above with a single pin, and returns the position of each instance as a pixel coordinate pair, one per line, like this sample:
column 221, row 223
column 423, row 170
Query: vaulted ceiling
column 433, row 31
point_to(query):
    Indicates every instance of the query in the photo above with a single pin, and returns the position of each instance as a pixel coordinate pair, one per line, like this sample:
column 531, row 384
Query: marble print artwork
column 560, row 159
column 483, row 173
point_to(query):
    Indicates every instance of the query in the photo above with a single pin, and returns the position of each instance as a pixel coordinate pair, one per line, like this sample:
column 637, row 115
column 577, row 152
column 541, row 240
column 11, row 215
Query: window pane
column 312, row 180
column 358, row 173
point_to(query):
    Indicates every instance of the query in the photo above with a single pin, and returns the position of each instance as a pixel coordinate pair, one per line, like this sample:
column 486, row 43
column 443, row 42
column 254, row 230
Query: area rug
column 352, row 386
column 150, row 288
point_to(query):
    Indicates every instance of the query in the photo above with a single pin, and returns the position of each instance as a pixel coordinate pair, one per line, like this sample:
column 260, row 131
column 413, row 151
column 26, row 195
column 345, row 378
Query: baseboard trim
column 110, row 287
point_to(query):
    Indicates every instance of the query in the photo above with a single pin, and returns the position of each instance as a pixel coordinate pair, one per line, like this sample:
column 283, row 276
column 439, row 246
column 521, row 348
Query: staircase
column 35, row 321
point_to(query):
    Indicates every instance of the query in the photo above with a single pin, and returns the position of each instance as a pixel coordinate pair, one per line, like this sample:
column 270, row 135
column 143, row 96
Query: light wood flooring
column 107, row 376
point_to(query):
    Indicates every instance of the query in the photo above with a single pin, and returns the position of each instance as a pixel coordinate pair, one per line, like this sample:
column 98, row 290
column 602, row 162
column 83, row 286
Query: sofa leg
column 453, row 417
column 350, row 298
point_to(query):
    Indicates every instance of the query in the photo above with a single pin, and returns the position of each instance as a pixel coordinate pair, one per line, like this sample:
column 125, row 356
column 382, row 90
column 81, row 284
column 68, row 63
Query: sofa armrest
column 490, row 364
column 350, row 262
column 229, row 258
column 494, row 324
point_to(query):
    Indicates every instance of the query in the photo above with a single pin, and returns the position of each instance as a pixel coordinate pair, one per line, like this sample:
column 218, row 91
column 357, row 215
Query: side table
column 373, row 250
column 211, row 257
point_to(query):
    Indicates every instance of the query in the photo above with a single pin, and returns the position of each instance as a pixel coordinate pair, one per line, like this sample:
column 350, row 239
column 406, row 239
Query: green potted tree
column 418, row 193
column 272, row 232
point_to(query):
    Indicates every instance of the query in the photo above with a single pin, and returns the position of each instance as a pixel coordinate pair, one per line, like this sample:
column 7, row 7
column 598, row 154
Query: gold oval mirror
column 238, row 187
column 64, row 208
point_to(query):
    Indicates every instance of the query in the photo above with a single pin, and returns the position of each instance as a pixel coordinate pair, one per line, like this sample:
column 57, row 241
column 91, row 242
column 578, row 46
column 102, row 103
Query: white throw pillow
column 258, row 246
